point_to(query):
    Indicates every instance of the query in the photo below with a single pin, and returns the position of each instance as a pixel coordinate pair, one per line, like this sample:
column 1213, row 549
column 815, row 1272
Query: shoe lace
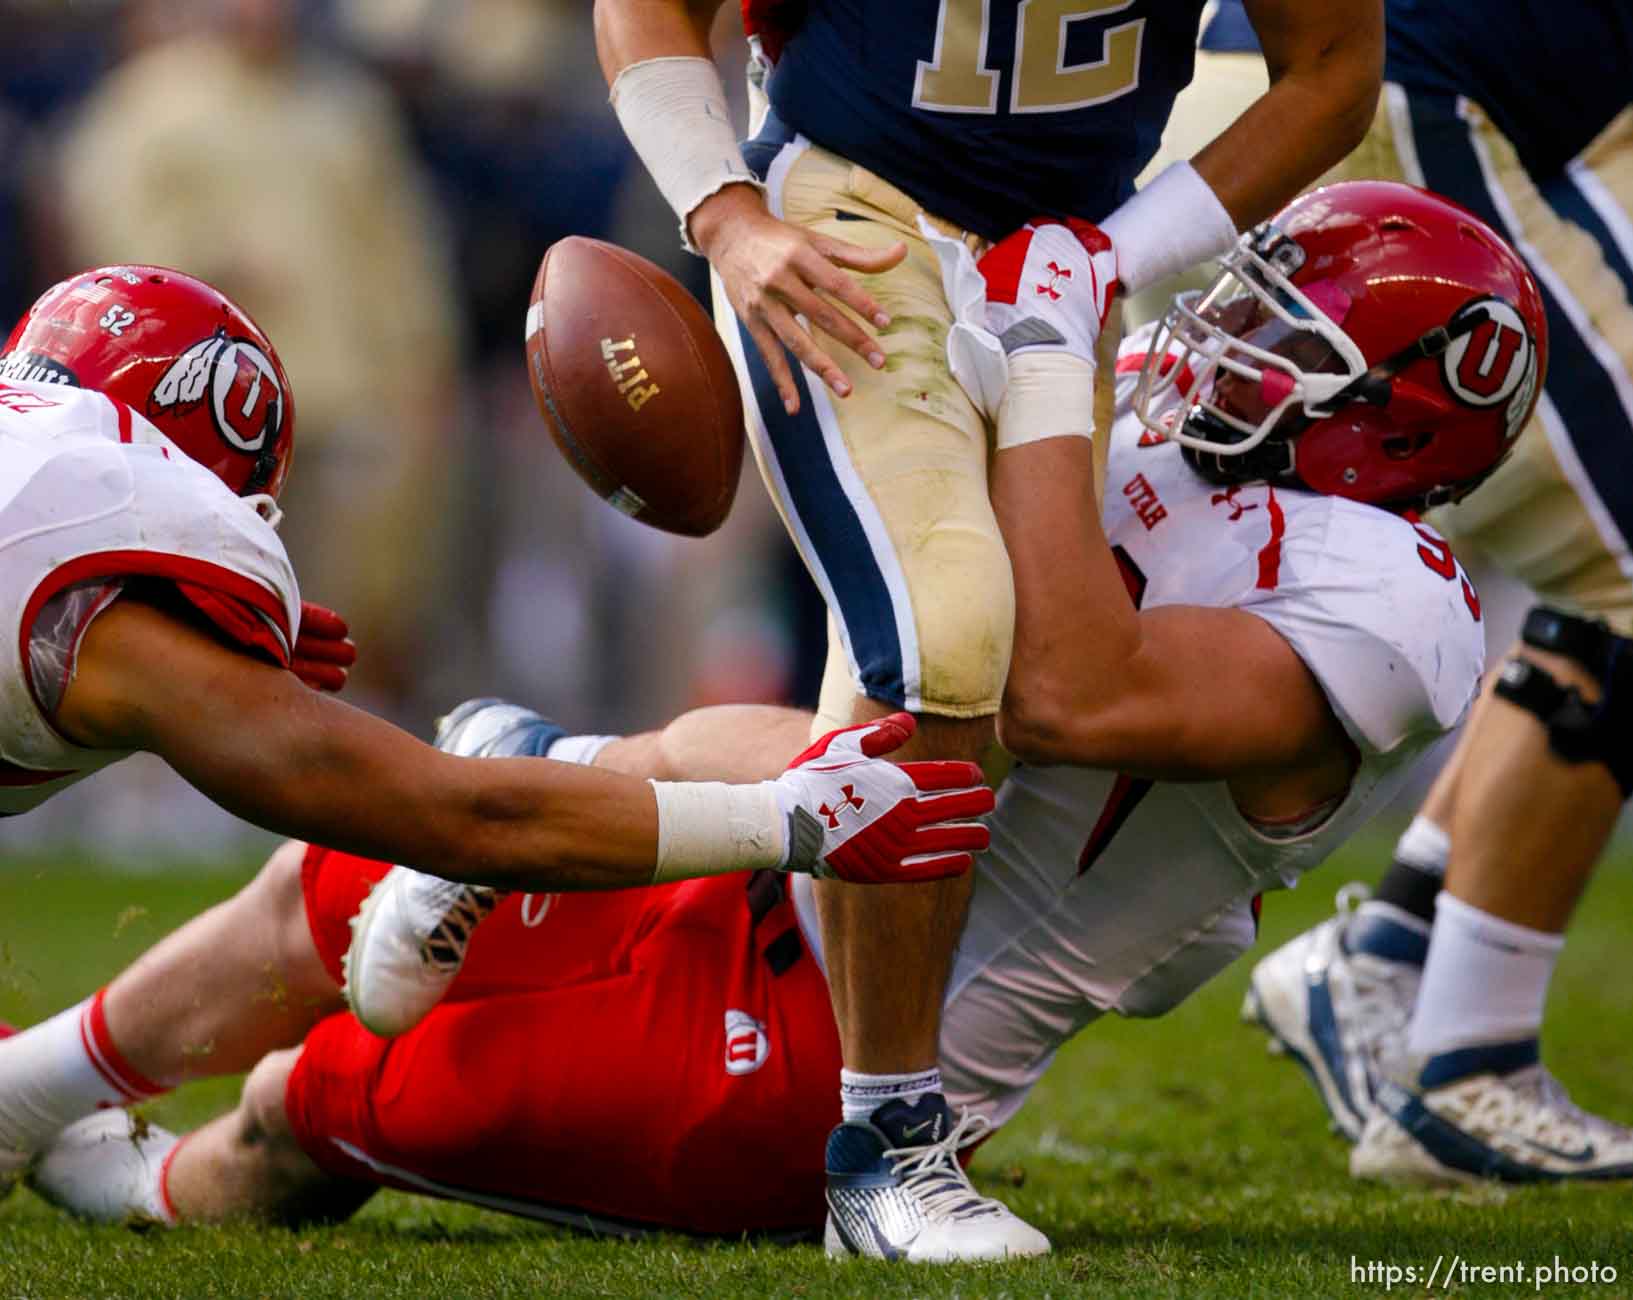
column 454, row 911
column 1351, row 896
column 932, row 1175
column 1383, row 992
column 1536, row 1103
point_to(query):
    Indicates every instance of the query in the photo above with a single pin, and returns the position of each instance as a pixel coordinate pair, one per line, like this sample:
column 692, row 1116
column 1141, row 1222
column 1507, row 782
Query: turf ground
column 1164, row 1159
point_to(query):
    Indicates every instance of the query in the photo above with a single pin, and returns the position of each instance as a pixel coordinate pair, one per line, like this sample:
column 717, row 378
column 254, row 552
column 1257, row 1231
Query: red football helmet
column 1371, row 341
column 174, row 350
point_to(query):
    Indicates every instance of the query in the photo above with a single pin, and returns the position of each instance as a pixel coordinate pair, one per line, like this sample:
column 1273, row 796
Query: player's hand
column 858, row 817
column 775, row 273
column 1050, row 286
column 324, row 652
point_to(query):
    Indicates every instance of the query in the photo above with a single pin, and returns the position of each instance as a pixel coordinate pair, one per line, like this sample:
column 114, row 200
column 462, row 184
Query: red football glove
column 323, row 650
column 855, row 816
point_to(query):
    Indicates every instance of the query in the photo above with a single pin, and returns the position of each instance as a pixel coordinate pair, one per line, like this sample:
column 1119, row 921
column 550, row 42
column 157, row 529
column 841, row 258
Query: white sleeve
column 215, row 540
column 1396, row 646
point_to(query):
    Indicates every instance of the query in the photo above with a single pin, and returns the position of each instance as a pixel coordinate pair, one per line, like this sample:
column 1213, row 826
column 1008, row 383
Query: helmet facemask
column 1255, row 359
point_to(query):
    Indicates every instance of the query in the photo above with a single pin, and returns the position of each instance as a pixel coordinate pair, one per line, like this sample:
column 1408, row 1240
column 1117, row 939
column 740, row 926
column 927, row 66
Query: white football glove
column 1050, row 287
column 853, row 815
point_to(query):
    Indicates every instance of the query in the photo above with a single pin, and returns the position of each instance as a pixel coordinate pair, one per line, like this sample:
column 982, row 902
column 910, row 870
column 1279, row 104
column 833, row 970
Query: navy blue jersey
column 983, row 124
column 1551, row 73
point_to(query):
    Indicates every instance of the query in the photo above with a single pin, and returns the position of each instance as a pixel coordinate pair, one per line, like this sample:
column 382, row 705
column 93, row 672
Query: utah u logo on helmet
column 1491, row 360
column 1486, row 363
column 239, row 381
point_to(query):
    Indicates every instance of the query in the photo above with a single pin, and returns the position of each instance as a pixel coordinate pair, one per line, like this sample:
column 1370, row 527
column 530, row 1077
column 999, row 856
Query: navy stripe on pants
column 842, row 550
column 1580, row 388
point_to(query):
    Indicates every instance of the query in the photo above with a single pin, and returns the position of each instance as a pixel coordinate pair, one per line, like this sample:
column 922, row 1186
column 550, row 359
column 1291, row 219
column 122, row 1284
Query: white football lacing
column 1382, row 993
column 1532, row 1104
column 937, row 1182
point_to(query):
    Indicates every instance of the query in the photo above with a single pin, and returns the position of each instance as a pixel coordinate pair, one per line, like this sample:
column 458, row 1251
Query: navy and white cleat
column 410, row 936
column 1486, row 1114
column 897, row 1191
column 495, row 728
column 1337, row 997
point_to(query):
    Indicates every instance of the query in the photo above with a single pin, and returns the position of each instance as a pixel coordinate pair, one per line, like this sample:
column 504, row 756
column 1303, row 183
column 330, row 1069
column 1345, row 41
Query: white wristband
column 707, row 828
column 1172, row 224
column 1050, row 395
column 674, row 112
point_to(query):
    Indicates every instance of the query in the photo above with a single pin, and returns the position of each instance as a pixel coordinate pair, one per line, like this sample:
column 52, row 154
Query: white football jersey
column 1104, row 892
column 89, row 491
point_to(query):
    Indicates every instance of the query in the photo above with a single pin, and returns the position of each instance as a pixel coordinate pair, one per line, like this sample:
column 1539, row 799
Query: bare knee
column 263, row 1119
column 291, row 1187
column 262, row 1134
column 965, row 637
column 276, row 889
column 276, row 899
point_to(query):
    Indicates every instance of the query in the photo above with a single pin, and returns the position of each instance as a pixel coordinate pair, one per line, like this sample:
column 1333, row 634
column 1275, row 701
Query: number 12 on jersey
column 957, row 79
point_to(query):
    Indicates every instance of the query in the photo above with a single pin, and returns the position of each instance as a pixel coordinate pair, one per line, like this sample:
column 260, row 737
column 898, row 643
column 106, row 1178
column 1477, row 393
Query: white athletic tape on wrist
column 1050, row 395
column 674, row 112
column 706, row 828
column 1172, row 224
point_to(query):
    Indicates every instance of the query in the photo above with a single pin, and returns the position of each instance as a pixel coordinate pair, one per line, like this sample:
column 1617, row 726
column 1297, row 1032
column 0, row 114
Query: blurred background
column 375, row 181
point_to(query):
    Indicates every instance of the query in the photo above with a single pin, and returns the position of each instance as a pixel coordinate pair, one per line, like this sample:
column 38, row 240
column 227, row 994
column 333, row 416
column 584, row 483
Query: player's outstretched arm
column 668, row 96
column 261, row 744
column 1326, row 67
column 719, row 742
column 1177, row 693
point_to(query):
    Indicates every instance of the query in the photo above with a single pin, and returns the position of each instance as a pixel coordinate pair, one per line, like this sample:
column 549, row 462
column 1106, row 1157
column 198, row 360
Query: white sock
column 578, row 749
column 1425, row 847
column 109, row 1168
column 1485, row 981
column 58, row 1071
column 862, row 1094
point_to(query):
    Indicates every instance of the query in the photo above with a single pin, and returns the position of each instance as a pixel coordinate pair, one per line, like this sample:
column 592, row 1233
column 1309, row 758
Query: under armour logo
column 1056, row 275
column 1228, row 498
column 852, row 800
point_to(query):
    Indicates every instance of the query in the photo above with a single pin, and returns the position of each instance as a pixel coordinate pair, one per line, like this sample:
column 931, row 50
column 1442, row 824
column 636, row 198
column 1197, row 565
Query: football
column 635, row 386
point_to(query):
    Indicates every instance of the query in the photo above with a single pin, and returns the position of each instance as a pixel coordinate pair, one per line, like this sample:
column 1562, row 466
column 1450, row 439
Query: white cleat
column 897, row 1191
column 12, row 1163
column 107, row 1168
column 1334, row 1012
column 408, row 944
column 409, row 937
column 1514, row 1127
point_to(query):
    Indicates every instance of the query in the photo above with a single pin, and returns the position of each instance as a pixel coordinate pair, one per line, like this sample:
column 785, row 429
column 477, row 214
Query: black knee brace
column 1578, row 732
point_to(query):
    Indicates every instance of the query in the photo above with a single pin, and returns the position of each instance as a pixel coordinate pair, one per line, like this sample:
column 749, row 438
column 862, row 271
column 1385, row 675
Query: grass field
column 1164, row 1159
